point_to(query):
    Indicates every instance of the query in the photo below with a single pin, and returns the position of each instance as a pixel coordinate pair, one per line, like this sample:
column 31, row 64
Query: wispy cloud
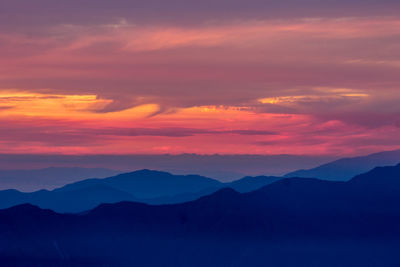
column 182, row 76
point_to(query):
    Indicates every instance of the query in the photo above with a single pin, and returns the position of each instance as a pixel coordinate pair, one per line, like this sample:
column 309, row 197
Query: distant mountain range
column 30, row 180
column 156, row 187
column 48, row 178
column 152, row 187
column 291, row 222
column 222, row 167
column 345, row 168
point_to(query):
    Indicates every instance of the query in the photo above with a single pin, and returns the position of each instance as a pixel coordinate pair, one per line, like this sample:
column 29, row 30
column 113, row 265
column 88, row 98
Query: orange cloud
column 78, row 107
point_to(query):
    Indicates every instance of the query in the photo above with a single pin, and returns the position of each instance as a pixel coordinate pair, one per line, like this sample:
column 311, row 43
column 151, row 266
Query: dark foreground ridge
column 292, row 222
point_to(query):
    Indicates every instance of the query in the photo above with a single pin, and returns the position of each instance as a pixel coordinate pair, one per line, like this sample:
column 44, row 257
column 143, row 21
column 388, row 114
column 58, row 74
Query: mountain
column 222, row 167
column 145, row 184
column 152, row 187
column 140, row 186
column 292, row 222
column 67, row 201
column 243, row 185
column 345, row 168
column 250, row 183
column 48, row 178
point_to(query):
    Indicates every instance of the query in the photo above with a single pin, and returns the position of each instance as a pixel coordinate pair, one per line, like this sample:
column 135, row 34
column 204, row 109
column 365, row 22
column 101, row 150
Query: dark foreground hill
column 344, row 169
column 152, row 187
column 292, row 222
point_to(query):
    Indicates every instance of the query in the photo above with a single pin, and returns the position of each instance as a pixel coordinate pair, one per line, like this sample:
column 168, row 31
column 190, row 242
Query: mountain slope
column 145, row 186
column 149, row 184
column 155, row 188
column 250, row 183
column 69, row 201
column 346, row 168
column 292, row 222
column 48, row 178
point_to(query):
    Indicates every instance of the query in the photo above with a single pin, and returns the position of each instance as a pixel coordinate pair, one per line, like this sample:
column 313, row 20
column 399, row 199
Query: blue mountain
column 48, row 178
column 152, row 187
column 345, row 168
column 292, row 222
column 148, row 184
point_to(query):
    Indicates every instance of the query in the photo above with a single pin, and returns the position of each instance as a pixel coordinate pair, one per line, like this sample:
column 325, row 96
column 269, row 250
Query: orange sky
column 74, row 124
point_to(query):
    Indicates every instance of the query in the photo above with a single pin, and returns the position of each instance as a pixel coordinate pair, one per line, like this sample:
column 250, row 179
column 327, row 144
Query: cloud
column 231, row 64
column 25, row 15
column 177, row 76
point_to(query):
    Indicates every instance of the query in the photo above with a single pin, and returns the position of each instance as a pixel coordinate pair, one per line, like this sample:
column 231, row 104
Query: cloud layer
column 302, row 77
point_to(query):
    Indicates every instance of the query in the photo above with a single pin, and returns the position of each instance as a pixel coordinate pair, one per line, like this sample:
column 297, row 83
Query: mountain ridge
column 30, row 180
column 345, row 168
column 156, row 187
column 311, row 220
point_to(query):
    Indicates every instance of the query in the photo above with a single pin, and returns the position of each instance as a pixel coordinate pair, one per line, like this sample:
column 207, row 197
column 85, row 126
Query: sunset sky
column 228, row 77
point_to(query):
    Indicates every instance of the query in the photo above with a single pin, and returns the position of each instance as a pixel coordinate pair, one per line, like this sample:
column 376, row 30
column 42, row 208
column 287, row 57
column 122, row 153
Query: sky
column 301, row 77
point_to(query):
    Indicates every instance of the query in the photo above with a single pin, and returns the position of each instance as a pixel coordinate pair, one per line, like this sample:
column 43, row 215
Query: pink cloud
column 199, row 88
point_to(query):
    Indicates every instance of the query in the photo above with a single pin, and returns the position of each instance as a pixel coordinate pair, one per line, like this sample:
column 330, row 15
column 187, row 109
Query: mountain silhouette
column 66, row 201
column 48, row 178
column 345, row 168
column 291, row 222
column 149, row 184
column 222, row 167
column 250, row 183
column 152, row 187
column 87, row 194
